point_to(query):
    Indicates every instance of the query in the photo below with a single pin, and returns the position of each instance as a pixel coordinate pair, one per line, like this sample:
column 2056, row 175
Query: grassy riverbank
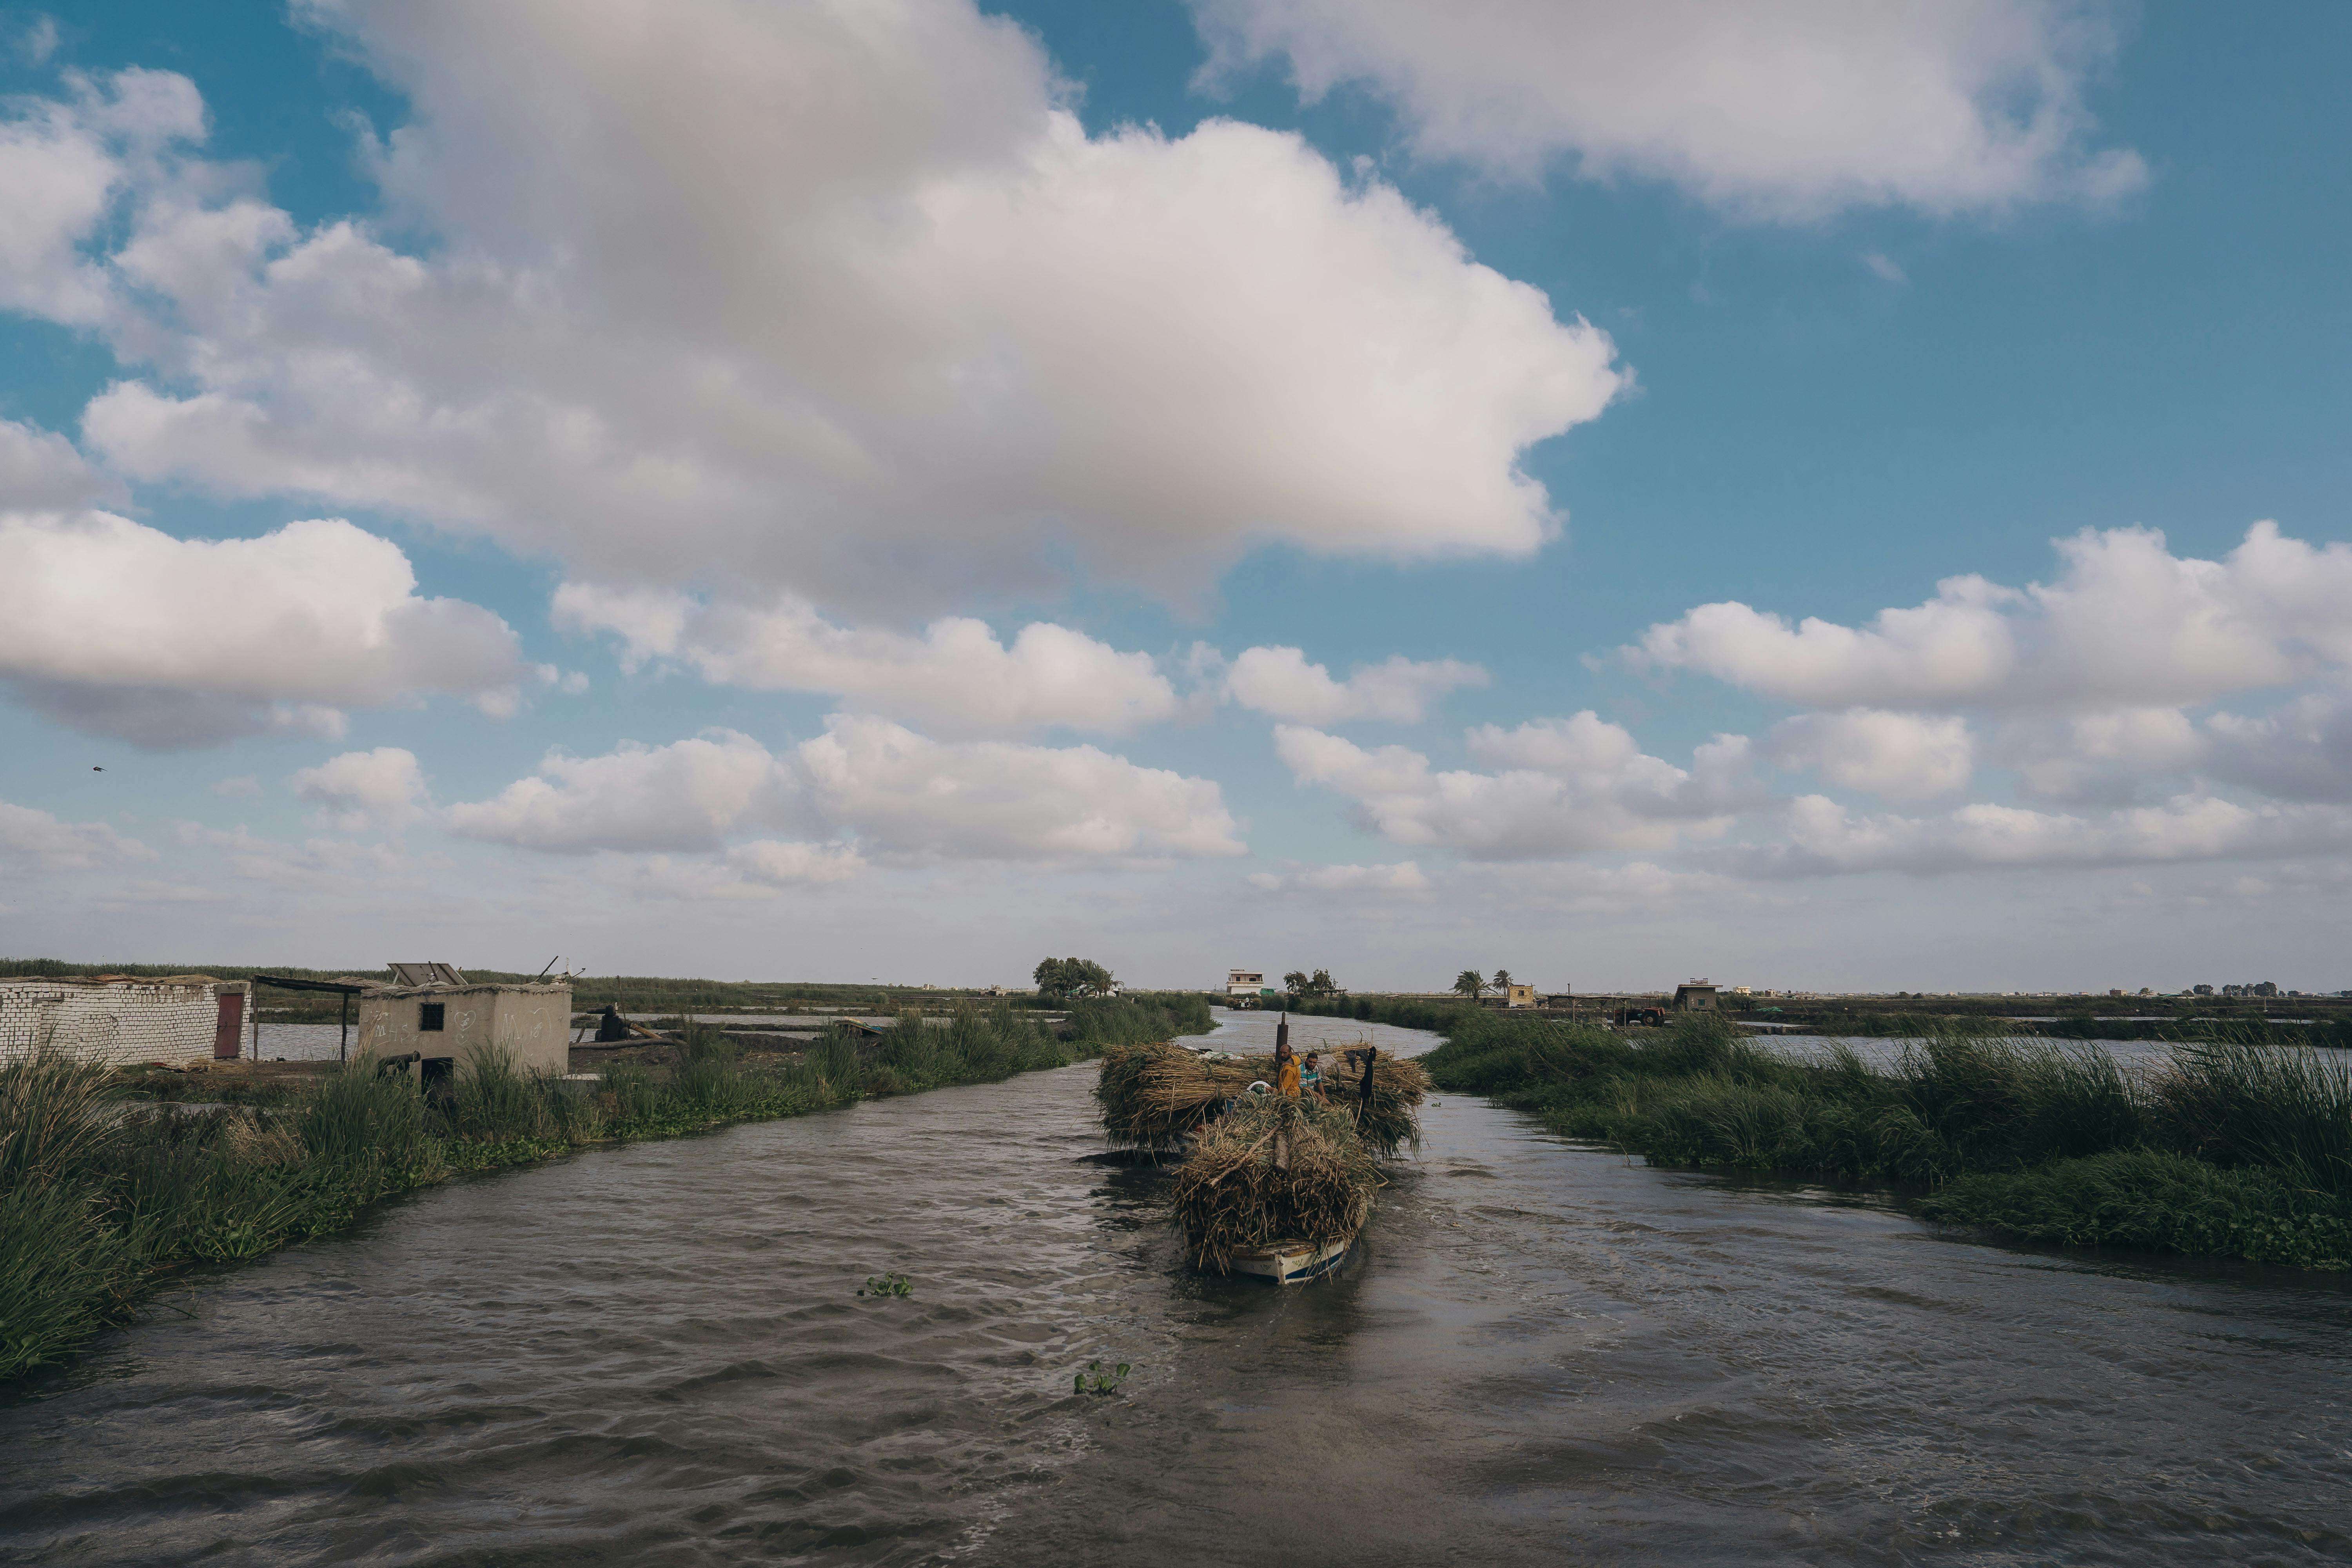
column 2232, row 1149
column 102, row 1198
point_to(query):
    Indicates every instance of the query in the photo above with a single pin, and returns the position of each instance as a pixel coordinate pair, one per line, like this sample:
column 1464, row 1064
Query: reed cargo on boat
column 1156, row 1096
column 1270, row 1176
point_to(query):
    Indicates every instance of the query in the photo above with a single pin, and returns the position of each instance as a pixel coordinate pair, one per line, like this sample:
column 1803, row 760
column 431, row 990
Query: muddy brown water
column 1541, row 1353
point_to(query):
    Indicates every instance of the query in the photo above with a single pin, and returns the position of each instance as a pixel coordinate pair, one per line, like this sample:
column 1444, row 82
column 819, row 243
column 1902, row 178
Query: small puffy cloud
column 1958, row 648
column 689, row 794
column 897, row 793
column 1404, row 876
column 1566, row 786
column 1883, row 267
column 1824, row 839
column 1786, row 111
column 383, row 789
column 910, row 796
column 2127, row 625
column 1279, row 681
column 37, row 840
column 956, row 678
column 1902, row 756
column 935, row 333
column 120, row 629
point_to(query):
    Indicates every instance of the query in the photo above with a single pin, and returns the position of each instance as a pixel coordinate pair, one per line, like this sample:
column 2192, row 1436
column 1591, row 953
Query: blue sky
column 737, row 384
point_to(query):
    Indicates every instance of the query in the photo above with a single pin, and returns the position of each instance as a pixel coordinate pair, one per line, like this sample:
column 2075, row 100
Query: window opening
column 429, row 1016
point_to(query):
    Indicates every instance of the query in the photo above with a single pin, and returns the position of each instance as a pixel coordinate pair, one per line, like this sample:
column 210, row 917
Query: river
column 1541, row 1353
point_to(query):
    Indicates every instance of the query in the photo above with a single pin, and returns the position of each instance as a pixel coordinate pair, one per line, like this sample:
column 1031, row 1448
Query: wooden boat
column 1293, row 1262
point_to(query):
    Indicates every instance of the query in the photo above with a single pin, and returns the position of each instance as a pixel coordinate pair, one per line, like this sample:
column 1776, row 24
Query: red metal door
column 228, row 1035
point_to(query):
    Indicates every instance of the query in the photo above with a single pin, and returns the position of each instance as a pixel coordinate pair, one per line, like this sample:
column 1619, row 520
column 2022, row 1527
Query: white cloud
column 383, row 789
column 120, row 629
column 1791, row 110
column 1902, row 756
column 2302, row 752
column 1568, row 786
column 1280, row 683
column 311, row 865
column 957, row 679
column 2101, row 755
column 43, row 842
column 932, row 334
column 1884, row 267
column 775, row 864
column 63, row 167
column 1824, row 838
column 765, row 869
column 996, row 800
column 2127, row 625
column 40, row 471
column 688, row 794
column 39, row 41
column 899, row 792
column 1955, row 649
column 1404, row 876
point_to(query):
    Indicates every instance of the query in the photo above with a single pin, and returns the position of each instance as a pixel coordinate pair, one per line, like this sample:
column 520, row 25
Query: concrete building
column 123, row 1021
column 1245, row 983
column 1519, row 996
column 1696, row 996
column 443, row 1022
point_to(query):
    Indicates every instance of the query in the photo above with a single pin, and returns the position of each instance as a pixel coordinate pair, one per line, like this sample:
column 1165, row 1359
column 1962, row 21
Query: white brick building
column 178, row 1019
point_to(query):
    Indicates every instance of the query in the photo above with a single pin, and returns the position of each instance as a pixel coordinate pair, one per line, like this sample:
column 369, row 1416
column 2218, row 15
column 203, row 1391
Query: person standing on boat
column 1285, row 1067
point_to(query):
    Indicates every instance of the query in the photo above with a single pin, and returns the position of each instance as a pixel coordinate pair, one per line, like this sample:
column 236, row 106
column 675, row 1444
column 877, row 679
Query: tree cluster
column 1298, row 983
column 1472, row 985
column 1064, row 978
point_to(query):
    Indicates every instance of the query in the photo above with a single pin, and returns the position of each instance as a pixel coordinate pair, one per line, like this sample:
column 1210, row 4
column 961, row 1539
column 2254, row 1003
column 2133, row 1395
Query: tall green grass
column 102, row 1198
column 2236, row 1148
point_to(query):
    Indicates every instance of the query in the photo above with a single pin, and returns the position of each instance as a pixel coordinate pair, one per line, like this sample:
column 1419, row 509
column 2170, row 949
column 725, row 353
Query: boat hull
column 1298, row 1263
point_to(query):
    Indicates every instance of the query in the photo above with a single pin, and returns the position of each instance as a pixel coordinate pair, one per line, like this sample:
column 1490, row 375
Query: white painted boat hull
column 1299, row 1264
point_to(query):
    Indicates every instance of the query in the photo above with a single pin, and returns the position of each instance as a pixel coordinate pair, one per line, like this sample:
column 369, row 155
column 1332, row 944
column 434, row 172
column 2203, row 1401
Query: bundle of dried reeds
column 1273, row 1169
column 1153, row 1096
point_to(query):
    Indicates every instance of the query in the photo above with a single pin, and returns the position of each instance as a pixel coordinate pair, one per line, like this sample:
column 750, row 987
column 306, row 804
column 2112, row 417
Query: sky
column 1812, row 495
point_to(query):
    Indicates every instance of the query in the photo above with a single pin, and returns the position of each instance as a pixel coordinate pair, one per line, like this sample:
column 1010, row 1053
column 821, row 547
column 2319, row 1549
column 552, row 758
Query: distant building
column 1696, row 996
column 1519, row 996
column 445, row 1021
column 123, row 1020
column 1244, row 982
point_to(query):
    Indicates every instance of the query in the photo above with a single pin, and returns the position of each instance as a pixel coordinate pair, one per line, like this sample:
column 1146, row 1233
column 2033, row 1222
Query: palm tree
column 1470, row 984
column 1502, row 982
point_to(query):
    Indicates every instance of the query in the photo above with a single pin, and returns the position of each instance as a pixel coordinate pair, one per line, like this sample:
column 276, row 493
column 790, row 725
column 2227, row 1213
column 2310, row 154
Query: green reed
column 2229, row 1147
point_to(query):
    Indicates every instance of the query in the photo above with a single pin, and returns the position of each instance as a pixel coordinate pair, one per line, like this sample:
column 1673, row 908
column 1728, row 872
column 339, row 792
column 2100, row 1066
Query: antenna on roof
column 548, row 965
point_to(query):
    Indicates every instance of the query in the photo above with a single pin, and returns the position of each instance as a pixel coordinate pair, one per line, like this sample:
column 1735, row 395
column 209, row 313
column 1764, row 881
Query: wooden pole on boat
column 1364, row 1095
